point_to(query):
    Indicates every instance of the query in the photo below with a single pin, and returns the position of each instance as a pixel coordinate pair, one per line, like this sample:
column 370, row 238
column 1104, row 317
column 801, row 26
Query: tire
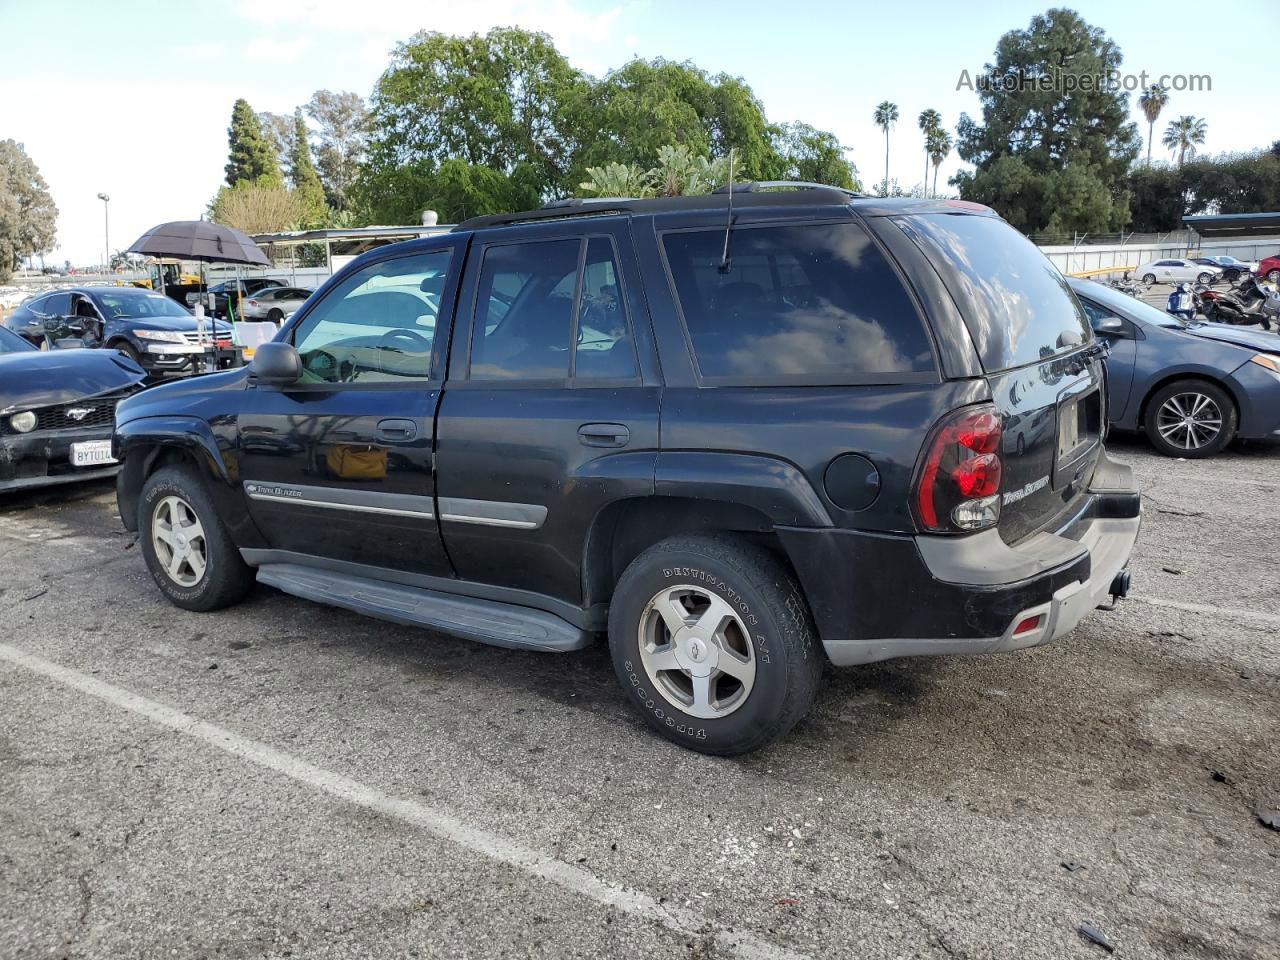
column 129, row 350
column 1149, row 279
column 225, row 578
column 1205, row 278
column 1170, row 437
column 1232, row 276
column 764, row 630
column 1273, row 276
column 275, row 315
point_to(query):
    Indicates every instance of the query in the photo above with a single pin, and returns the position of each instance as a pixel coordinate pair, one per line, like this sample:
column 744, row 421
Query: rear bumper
column 877, row 597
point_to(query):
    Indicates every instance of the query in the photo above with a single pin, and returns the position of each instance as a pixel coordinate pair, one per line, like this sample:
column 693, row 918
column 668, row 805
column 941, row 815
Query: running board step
column 485, row 621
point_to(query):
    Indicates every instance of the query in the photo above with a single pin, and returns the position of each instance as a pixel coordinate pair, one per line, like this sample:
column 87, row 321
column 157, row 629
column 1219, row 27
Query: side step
column 485, row 621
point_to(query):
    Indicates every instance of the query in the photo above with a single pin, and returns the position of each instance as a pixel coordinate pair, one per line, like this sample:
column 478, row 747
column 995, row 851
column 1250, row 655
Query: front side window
column 378, row 325
column 815, row 301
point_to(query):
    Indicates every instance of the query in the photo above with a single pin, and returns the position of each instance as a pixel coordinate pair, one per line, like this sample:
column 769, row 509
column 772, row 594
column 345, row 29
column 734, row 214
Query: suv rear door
column 338, row 465
column 1034, row 342
column 550, row 409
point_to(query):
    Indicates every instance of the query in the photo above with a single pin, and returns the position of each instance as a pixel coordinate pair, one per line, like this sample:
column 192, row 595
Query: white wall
column 1086, row 257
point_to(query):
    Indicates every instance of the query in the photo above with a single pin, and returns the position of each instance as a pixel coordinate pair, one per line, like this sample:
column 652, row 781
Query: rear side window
column 1016, row 304
column 810, row 302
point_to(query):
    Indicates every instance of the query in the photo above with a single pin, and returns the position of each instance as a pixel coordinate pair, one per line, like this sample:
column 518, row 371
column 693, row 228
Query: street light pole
column 106, row 227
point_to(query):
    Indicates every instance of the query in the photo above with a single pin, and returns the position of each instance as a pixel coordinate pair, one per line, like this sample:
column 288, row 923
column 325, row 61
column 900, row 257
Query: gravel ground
column 285, row 779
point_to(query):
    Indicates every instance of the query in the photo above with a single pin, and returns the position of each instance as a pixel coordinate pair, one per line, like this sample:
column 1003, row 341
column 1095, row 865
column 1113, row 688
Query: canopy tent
column 1223, row 225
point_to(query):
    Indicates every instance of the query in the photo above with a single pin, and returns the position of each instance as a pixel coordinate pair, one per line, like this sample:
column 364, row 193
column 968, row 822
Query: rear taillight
column 958, row 486
column 252, row 303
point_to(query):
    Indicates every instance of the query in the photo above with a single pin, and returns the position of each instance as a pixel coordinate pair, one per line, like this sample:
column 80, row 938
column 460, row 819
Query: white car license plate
column 91, row 453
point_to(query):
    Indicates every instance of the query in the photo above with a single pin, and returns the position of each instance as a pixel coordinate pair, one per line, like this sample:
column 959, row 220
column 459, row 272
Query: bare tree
column 256, row 207
column 342, row 119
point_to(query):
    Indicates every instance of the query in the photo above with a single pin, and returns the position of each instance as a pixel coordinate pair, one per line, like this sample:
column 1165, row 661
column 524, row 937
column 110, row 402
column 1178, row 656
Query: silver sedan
column 275, row 303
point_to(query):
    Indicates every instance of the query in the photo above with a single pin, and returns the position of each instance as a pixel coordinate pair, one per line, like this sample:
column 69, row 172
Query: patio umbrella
column 199, row 240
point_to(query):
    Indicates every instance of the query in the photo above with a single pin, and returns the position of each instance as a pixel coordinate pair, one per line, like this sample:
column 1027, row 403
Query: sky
column 133, row 98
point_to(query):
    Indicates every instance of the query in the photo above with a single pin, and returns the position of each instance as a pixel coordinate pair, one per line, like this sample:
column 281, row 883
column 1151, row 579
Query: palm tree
column 938, row 147
column 1152, row 101
column 929, row 121
column 886, row 116
column 1183, row 135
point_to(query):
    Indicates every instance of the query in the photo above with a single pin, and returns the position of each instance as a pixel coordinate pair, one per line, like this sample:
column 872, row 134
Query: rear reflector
column 1029, row 624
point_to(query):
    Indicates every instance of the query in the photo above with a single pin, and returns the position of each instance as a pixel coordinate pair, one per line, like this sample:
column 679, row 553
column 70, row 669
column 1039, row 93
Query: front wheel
column 1149, row 278
column 185, row 545
column 712, row 640
column 1190, row 418
column 1205, row 278
column 1273, row 276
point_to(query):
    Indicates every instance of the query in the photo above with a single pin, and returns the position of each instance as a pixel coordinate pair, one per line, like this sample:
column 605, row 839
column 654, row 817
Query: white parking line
column 570, row 877
column 1205, row 608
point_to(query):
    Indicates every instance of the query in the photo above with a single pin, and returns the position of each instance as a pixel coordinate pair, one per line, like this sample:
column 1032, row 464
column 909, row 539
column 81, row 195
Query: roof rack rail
column 579, row 201
column 555, row 210
column 759, row 186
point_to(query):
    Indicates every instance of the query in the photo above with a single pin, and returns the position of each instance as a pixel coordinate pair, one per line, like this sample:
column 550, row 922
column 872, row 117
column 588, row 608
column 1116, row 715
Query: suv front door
column 551, row 406
column 339, row 464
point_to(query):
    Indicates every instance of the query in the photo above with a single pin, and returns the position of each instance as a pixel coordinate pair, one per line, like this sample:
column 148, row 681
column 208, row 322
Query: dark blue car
column 148, row 327
column 1190, row 386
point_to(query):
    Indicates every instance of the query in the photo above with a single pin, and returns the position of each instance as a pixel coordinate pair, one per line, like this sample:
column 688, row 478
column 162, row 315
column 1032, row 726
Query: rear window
column 1016, row 304
column 812, row 302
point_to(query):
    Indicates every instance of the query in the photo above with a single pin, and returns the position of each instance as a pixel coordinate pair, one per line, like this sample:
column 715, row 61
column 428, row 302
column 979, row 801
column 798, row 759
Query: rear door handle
column 604, row 435
column 400, row 431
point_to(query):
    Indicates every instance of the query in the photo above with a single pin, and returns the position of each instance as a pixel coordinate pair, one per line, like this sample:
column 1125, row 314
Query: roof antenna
column 728, row 226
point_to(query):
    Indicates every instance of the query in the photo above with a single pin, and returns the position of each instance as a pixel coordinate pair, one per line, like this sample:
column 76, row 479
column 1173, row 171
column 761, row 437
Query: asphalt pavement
column 284, row 779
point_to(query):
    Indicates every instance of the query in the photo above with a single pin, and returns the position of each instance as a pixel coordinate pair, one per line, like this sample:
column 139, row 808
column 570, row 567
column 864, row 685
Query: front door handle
column 400, row 431
column 604, row 435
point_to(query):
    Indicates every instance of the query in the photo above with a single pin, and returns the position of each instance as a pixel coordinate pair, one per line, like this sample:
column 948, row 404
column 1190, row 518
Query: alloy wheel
column 697, row 651
column 177, row 536
column 1189, row 420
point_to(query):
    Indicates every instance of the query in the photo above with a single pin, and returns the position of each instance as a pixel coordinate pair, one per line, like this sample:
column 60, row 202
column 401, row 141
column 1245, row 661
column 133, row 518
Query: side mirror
column 276, row 363
column 1109, row 327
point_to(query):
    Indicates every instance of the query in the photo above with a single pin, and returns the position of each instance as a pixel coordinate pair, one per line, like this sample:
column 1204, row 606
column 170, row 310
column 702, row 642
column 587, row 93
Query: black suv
column 744, row 435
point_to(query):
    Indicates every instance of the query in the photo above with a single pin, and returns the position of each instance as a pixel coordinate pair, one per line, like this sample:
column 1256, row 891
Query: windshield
column 1123, row 305
column 140, row 305
column 10, row 342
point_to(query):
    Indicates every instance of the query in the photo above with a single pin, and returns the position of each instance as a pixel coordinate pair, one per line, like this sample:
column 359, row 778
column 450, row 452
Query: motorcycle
column 1261, row 300
column 1219, row 306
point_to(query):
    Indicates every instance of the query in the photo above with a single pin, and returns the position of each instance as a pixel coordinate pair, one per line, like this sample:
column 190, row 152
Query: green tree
column 1152, row 100
column 930, row 122
column 490, row 101
column 1048, row 126
column 1157, row 201
column 252, row 152
column 1184, row 135
column 28, row 217
column 342, row 128
column 306, row 182
column 812, row 155
column 618, row 180
column 885, row 117
column 278, row 129
column 937, row 148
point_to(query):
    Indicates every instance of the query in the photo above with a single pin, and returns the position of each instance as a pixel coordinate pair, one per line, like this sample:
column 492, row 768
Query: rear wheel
column 1190, row 418
column 1273, row 276
column 712, row 640
column 1148, row 278
column 185, row 545
column 275, row 315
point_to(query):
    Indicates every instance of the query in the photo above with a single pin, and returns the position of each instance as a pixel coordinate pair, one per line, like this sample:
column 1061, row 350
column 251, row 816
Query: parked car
column 1269, row 268
column 248, row 287
column 1232, row 269
column 1176, row 271
column 1191, row 387
column 744, row 446
column 275, row 303
column 56, row 412
column 146, row 326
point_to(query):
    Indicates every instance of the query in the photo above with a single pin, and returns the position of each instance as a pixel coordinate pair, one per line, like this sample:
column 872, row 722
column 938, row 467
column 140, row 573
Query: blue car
column 1190, row 386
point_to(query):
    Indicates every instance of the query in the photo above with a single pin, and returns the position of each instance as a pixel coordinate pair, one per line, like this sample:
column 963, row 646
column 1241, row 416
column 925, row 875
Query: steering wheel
column 404, row 340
